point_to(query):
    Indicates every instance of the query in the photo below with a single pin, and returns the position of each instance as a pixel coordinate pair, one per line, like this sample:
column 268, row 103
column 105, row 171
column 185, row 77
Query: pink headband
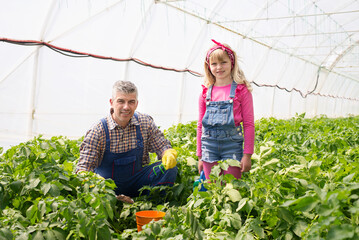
column 224, row 48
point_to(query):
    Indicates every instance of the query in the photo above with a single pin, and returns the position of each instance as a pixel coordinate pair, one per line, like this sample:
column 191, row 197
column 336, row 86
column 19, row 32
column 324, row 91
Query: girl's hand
column 246, row 163
column 200, row 165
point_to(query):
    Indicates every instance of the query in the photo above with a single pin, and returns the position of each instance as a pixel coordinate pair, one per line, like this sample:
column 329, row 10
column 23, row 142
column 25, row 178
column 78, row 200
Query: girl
column 225, row 103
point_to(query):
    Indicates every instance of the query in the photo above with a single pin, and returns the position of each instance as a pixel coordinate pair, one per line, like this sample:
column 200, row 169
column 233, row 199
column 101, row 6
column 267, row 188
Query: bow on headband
column 224, row 48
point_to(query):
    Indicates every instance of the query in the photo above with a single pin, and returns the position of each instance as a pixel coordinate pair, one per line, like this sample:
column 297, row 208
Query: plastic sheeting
column 59, row 59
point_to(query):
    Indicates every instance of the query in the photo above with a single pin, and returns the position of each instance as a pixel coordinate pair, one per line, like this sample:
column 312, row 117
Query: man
column 118, row 146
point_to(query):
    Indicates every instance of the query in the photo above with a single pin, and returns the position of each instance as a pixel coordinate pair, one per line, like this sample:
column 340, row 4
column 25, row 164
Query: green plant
column 304, row 184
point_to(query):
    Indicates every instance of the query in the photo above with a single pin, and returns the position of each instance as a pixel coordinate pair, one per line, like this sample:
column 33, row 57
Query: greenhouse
column 59, row 61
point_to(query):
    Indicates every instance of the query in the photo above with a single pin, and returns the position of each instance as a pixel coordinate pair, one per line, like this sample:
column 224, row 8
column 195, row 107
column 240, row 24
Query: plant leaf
column 234, row 195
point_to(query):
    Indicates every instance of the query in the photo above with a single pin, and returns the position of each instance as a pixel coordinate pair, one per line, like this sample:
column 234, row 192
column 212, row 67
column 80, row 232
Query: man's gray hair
column 126, row 87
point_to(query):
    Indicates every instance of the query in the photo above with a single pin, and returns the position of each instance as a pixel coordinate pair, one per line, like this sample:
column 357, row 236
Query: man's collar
column 112, row 124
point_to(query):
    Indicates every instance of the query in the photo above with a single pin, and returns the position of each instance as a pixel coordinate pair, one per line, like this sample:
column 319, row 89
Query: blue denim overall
column 221, row 139
column 126, row 168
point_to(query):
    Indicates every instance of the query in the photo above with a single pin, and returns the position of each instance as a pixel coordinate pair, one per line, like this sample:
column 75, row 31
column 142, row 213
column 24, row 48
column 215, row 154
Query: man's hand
column 124, row 199
column 169, row 158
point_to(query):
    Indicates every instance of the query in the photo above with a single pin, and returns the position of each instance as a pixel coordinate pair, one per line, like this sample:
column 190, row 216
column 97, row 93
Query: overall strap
column 209, row 93
column 231, row 95
column 233, row 90
column 104, row 124
column 138, row 132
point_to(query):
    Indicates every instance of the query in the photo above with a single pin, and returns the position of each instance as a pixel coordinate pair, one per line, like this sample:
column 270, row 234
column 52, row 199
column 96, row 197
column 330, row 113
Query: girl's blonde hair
column 236, row 72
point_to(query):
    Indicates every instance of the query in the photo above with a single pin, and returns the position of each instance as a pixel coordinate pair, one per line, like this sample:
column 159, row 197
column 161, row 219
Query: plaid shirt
column 122, row 140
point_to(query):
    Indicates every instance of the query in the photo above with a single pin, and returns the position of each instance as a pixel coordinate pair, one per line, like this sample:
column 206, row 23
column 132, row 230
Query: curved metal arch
column 333, row 49
column 291, row 22
column 342, row 42
column 345, row 52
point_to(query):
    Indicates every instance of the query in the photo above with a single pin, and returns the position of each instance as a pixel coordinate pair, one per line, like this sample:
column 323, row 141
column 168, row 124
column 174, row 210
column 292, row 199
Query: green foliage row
column 304, row 184
column 42, row 198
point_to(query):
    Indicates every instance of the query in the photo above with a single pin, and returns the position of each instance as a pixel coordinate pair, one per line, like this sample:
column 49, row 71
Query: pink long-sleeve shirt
column 242, row 110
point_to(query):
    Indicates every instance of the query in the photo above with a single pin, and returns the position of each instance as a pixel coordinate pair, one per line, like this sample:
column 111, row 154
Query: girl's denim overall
column 127, row 171
column 221, row 139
